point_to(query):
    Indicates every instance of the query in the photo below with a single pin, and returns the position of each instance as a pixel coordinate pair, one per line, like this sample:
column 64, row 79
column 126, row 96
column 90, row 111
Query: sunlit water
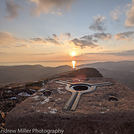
column 73, row 64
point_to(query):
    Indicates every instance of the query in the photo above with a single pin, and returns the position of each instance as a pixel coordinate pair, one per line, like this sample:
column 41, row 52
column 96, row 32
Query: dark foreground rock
column 2, row 120
column 85, row 72
column 107, row 110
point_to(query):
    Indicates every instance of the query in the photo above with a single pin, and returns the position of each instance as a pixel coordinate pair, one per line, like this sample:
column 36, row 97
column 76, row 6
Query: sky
column 50, row 30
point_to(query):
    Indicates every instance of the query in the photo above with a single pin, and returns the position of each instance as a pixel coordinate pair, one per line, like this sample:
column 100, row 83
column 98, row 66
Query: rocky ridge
column 12, row 95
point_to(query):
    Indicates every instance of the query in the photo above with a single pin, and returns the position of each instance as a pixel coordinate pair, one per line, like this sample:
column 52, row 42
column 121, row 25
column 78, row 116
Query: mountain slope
column 25, row 73
column 125, row 77
column 122, row 71
column 120, row 65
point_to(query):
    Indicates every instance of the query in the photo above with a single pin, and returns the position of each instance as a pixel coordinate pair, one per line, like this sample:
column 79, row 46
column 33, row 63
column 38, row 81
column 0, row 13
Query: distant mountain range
column 28, row 73
column 120, row 65
column 122, row 71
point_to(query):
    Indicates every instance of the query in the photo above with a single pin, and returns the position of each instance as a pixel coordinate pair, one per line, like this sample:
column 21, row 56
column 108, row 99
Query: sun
column 73, row 53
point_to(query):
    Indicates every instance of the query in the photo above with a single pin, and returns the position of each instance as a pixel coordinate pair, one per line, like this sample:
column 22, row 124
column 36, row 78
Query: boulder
column 85, row 72
column 106, row 110
column 2, row 117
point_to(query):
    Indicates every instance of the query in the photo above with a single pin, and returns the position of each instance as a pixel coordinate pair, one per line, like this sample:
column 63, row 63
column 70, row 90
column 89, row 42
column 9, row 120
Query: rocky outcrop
column 26, row 73
column 2, row 120
column 107, row 110
column 87, row 72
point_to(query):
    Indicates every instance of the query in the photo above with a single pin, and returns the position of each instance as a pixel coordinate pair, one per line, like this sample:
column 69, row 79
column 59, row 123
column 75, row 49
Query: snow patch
column 42, row 89
column 9, row 87
column 9, row 91
column 58, row 99
column 43, row 83
column 36, row 97
column 50, row 97
column 49, row 107
column 61, row 92
column 53, row 111
column 24, row 94
column 32, row 90
column 45, row 101
column 102, row 112
column 60, row 88
column 13, row 98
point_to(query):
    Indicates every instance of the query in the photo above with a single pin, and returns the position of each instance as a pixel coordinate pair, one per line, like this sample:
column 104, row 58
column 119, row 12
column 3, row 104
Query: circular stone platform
column 107, row 110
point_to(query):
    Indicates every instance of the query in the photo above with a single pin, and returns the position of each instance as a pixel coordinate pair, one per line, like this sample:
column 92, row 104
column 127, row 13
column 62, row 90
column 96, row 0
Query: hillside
column 120, row 65
column 122, row 71
column 125, row 77
column 85, row 72
column 12, row 95
column 96, row 111
column 26, row 73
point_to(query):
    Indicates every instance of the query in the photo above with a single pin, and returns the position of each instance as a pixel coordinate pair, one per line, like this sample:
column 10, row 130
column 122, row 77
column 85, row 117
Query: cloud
column 6, row 38
column 12, row 9
column 116, row 13
column 88, row 37
column 126, row 53
column 102, row 36
column 23, row 45
column 98, row 24
column 124, row 36
column 122, row 53
column 97, row 36
column 130, row 16
column 54, row 35
column 1, row 53
column 68, row 34
column 51, row 6
column 52, row 40
column 57, row 13
column 42, row 54
column 37, row 41
column 44, row 41
column 83, row 42
column 90, row 40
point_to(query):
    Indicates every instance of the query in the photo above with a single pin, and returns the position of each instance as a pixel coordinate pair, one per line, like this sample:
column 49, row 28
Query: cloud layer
column 12, row 9
column 82, row 43
column 125, row 36
column 90, row 40
column 116, row 13
column 102, row 36
column 130, row 16
column 6, row 39
column 51, row 6
column 122, row 53
column 98, row 24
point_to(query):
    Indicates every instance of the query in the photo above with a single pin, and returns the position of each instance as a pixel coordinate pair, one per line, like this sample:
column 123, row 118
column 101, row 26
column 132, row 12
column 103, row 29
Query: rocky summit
column 107, row 109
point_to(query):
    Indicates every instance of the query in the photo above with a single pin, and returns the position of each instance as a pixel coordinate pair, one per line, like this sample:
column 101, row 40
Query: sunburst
column 73, row 53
